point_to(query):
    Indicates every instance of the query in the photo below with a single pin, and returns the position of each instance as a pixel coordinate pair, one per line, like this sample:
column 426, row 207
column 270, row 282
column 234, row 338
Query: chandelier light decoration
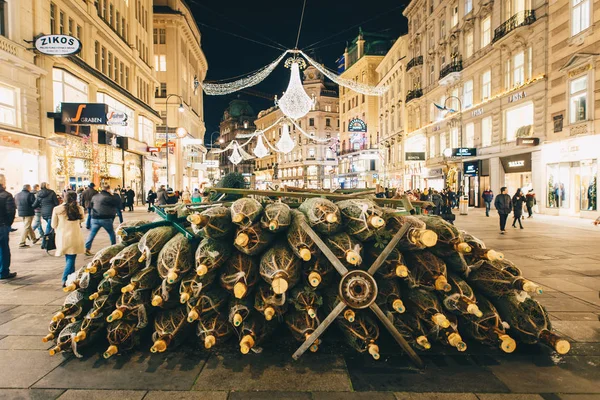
column 285, row 143
column 295, row 103
column 260, row 150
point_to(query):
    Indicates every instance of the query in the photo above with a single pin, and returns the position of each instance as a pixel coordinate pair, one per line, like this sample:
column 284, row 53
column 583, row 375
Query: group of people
column 164, row 196
column 505, row 205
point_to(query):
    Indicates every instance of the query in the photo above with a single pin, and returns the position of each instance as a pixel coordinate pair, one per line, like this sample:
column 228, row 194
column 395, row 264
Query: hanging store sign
column 471, row 168
column 84, row 113
column 528, row 142
column 464, row 152
column 357, row 125
column 436, row 172
column 58, row 45
column 414, row 156
column 116, row 118
column 517, row 163
column 152, row 149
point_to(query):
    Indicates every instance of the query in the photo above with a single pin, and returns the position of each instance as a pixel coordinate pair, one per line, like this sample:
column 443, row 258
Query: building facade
column 180, row 67
column 359, row 114
column 238, row 119
column 570, row 158
column 486, row 64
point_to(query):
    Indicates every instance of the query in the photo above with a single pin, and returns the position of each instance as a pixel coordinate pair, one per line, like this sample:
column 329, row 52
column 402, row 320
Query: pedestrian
column 24, row 201
column 104, row 210
column 186, row 196
column 488, row 196
column 517, row 202
column 196, row 196
column 7, row 217
column 86, row 200
column 46, row 200
column 161, row 196
column 66, row 222
column 452, row 198
column 120, row 207
column 130, row 195
column 530, row 202
column 436, row 199
column 37, row 218
column 503, row 204
column 172, row 198
column 123, row 194
column 151, row 199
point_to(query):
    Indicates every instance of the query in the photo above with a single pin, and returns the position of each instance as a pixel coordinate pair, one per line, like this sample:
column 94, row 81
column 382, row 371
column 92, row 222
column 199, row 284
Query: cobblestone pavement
column 561, row 254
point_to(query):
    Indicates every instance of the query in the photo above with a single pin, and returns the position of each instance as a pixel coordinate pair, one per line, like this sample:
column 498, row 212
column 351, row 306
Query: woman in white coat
column 66, row 221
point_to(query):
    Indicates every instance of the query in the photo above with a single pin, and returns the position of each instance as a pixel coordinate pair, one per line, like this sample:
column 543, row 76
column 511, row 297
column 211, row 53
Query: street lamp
column 180, row 109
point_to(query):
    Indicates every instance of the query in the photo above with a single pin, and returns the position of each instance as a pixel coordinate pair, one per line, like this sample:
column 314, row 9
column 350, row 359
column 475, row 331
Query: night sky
column 275, row 22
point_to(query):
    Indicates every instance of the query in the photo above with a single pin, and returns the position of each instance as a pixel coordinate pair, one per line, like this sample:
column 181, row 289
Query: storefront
column 19, row 161
column 435, row 178
column 72, row 161
column 414, row 162
column 133, row 171
column 571, row 168
column 517, row 170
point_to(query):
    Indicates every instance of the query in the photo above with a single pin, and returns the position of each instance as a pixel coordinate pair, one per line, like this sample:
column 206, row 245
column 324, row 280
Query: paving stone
column 30, row 297
column 574, row 316
column 27, row 324
column 22, row 368
column 551, row 375
column 181, row 395
column 567, row 305
column 353, row 396
column 580, row 331
column 560, row 283
column 74, row 394
column 579, row 396
column 23, row 343
column 30, row 394
column 435, row 396
column 6, row 308
column 510, row 396
column 273, row 371
column 275, row 395
column 175, row 370
column 589, row 297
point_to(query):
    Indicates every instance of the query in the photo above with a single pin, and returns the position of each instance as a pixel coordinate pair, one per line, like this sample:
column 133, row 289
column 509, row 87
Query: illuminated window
column 486, row 132
column 486, row 31
column 469, row 44
column 8, row 105
column 580, row 16
column 486, row 85
column 518, row 117
column 518, row 69
column 67, row 88
column 578, row 99
column 470, row 135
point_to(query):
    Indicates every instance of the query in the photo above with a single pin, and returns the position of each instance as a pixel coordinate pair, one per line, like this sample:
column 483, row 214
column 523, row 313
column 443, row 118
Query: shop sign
column 464, row 152
column 517, row 163
column 163, row 144
column 116, row 118
column 471, row 168
column 558, row 123
column 84, row 113
column 357, row 125
column 433, row 172
column 152, row 149
column 477, row 112
column 58, row 45
column 516, row 97
column 529, row 142
column 414, row 156
column 135, row 146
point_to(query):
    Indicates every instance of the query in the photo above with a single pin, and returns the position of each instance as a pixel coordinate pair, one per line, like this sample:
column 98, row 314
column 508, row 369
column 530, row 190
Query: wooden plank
column 397, row 336
column 388, row 249
column 337, row 264
column 320, row 329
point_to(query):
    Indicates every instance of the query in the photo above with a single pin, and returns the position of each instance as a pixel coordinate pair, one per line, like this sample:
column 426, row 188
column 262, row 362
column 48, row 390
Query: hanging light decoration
column 285, row 143
column 260, row 150
column 295, row 103
column 235, row 156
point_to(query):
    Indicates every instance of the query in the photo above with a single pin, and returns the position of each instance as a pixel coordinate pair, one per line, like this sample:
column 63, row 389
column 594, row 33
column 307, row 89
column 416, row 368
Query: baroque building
column 238, row 119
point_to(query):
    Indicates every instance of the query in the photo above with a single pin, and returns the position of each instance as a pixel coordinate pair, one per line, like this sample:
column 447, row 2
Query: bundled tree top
column 211, row 254
column 214, row 222
column 153, row 241
column 240, row 274
column 362, row 217
column 280, row 267
column 245, row 211
column 277, row 217
column 175, row 259
column 252, row 240
column 346, row 249
column 500, row 278
column 300, row 242
column 101, row 261
column 322, row 215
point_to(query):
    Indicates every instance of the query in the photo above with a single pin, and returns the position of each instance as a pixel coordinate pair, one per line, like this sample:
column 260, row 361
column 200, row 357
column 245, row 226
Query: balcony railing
column 413, row 94
column 522, row 18
column 414, row 62
column 455, row 66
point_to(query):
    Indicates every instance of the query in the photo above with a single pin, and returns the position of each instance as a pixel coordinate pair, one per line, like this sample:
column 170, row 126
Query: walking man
column 488, row 196
column 104, row 209
column 37, row 217
column 130, row 194
column 86, row 202
column 503, row 204
column 161, row 196
column 25, row 200
column 7, row 217
column 46, row 200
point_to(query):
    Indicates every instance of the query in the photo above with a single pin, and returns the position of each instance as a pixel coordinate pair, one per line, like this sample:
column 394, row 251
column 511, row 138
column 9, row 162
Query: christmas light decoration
column 285, row 143
column 311, row 137
column 295, row 103
column 215, row 89
column 260, row 150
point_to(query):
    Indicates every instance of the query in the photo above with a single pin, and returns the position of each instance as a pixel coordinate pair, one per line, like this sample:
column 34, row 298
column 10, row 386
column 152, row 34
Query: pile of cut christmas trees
column 252, row 266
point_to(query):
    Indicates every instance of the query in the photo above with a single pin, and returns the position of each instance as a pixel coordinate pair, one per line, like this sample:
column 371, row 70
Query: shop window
column 468, row 94
column 578, row 99
column 486, row 85
column 486, row 132
column 558, row 179
column 588, row 174
column 486, row 31
column 470, row 135
column 580, row 16
column 68, row 88
column 516, row 118
column 8, row 105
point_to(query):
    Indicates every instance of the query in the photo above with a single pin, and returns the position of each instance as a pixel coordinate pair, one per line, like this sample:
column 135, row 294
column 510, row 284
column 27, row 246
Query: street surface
column 561, row 254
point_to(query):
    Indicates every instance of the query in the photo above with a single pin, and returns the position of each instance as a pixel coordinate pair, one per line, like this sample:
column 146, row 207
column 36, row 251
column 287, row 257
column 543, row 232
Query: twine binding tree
column 317, row 271
column 427, row 271
column 300, row 242
column 362, row 218
column 214, row 223
column 213, row 329
column 145, row 279
column 210, row 301
column 306, row 299
column 277, row 217
column 193, row 284
column 269, row 303
column 346, row 249
column 239, row 309
column 122, row 337
column 252, row 240
column 130, row 236
column 170, row 329
column 153, row 241
column 301, row 325
column 211, row 254
column 175, row 259
column 280, row 268
column 239, row 275
column 125, row 264
column 101, row 260
column 245, row 211
column 322, row 215
column 500, row 278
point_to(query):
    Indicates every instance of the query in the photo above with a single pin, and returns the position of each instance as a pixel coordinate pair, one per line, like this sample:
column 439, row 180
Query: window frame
column 585, row 93
column 579, row 6
column 486, row 33
column 12, row 108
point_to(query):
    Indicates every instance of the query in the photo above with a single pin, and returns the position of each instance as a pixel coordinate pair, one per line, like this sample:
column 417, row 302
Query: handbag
column 49, row 241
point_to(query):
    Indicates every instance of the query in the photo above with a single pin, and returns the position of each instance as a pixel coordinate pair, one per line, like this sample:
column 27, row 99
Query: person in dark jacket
column 452, row 198
column 530, row 202
column 161, row 196
column 24, row 201
column 120, row 206
column 123, row 194
column 517, row 203
column 151, row 199
column 488, row 196
column 130, row 194
column 37, row 218
column 86, row 201
column 503, row 204
column 46, row 200
column 7, row 217
column 104, row 210
column 437, row 201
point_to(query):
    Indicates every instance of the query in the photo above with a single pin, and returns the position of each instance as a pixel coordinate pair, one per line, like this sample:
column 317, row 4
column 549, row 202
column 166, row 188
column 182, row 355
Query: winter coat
column 104, row 206
column 161, row 197
column 69, row 237
column 24, row 201
column 46, row 200
column 503, row 204
column 86, row 197
column 530, row 200
column 7, row 208
column 517, row 202
column 488, row 196
column 437, row 200
column 186, row 197
column 130, row 196
column 151, row 197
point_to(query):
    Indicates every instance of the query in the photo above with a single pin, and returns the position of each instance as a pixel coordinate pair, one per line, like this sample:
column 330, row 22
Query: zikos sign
column 58, row 45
